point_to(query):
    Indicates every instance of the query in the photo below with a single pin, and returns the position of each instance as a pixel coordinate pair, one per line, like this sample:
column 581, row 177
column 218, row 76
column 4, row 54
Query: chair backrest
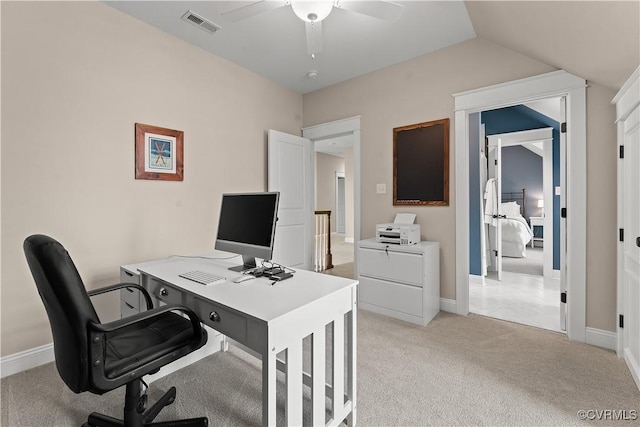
column 68, row 307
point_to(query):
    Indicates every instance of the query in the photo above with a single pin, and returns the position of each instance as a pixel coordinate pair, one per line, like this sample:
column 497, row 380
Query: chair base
column 136, row 416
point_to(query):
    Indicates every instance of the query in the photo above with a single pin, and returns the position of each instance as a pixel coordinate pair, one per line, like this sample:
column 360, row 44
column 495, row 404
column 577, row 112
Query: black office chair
column 99, row 357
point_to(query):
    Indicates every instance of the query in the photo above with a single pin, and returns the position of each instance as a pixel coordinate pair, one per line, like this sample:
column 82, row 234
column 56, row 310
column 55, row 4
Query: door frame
column 549, row 85
column 341, row 127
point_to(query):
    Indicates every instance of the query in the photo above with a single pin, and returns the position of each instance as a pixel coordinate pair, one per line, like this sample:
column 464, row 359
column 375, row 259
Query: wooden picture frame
column 159, row 153
column 421, row 164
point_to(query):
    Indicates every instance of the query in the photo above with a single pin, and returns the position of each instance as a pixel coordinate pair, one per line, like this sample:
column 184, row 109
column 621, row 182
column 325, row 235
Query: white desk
column 536, row 221
column 271, row 319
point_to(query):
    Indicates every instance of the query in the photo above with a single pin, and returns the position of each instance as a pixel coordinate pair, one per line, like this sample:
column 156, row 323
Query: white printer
column 402, row 231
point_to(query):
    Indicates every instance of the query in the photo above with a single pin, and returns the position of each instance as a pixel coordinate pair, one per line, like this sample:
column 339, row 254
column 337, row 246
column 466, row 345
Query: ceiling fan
column 313, row 12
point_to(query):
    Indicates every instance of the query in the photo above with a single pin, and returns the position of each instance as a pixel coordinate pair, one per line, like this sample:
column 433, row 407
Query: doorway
column 515, row 177
column 573, row 250
column 341, row 139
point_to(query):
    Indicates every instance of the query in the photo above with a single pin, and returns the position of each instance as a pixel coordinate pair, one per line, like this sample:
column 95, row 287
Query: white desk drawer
column 394, row 296
column 396, row 266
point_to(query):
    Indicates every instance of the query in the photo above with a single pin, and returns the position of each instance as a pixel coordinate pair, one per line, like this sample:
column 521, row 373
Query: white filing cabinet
column 400, row 281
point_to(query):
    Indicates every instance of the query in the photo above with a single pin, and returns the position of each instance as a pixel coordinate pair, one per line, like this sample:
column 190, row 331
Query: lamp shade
column 540, row 203
column 312, row 11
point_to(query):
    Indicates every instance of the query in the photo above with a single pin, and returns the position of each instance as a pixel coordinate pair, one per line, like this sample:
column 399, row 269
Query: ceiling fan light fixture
column 312, row 11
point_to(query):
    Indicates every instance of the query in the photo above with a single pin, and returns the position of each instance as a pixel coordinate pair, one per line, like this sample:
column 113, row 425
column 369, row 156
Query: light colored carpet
column 457, row 370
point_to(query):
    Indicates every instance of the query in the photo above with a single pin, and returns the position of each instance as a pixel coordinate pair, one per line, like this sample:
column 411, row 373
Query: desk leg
column 294, row 384
column 269, row 381
column 351, row 361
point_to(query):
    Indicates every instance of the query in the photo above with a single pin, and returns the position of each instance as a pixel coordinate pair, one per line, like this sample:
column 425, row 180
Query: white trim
column 349, row 240
column 601, row 338
column 475, row 279
column 556, row 274
column 627, row 99
column 448, row 305
column 32, row 358
column 555, row 84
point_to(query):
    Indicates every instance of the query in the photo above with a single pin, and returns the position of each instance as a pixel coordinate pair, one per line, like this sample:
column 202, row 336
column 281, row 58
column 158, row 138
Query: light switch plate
column 381, row 188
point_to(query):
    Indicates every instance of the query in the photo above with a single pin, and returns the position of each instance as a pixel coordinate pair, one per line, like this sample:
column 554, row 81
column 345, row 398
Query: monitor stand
column 248, row 263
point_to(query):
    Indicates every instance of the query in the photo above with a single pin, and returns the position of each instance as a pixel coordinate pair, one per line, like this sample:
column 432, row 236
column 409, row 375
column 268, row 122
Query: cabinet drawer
column 131, row 297
column 395, row 296
column 228, row 323
column 127, row 309
column 396, row 266
column 127, row 276
column 162, row 292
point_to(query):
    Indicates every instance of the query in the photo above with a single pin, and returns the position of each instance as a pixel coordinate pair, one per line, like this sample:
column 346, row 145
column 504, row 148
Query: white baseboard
column 600, row 338
column 18, row 362
column 42, row 355
column 348, row 239
column 448, row 305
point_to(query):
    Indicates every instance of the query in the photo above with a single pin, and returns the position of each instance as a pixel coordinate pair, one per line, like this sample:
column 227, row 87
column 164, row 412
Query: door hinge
column 622, row 234
column 563, row 213
column 495, row 252
column 563, row 127
column 621, row 321
column 563, row 297
column 495, row 162
column 622, row 151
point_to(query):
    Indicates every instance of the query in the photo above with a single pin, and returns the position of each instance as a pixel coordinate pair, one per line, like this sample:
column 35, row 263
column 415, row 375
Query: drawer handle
column 129, row 289
column 214, row 317
column 163, row 292
column 128, row 274
column 128, row 305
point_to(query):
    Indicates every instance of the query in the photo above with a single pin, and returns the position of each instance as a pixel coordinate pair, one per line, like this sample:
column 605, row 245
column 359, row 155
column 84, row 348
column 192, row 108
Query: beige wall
column 421, row 90
column 76, row 76
column 326, row 168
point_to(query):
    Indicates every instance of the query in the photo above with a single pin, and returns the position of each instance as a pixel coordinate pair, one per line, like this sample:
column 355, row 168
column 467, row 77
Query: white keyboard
column 203, row 277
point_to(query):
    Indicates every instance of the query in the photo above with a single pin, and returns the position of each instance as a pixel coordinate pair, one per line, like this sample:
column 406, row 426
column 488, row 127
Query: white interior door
column 340, row 211
column 498, row 173
column 631, row 245
column 291, row 172
column 495, row 231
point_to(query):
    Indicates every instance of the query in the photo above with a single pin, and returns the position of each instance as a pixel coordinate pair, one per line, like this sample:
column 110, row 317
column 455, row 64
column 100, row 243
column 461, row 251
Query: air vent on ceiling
column 201, row 22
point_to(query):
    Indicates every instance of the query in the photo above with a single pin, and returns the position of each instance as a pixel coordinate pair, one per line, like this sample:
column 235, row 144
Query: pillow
column 511, row 209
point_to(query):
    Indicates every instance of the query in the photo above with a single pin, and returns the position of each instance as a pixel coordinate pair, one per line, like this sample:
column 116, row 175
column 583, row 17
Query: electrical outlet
column 381, row 188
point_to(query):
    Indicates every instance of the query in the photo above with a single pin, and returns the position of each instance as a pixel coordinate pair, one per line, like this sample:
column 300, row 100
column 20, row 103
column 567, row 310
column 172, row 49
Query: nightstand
column 536, row 221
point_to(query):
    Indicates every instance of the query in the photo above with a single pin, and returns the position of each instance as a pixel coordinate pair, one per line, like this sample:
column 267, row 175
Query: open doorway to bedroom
column 514, row 240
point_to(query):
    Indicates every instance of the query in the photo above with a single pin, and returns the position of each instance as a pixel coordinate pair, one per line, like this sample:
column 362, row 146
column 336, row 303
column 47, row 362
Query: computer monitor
column 247, row 226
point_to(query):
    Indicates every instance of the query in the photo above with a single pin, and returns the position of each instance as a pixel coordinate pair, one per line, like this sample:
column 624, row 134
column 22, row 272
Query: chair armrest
column 149, row 314
column 117, row 286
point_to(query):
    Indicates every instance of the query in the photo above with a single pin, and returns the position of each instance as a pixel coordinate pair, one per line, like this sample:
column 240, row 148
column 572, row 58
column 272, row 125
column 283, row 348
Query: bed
column 516, row 233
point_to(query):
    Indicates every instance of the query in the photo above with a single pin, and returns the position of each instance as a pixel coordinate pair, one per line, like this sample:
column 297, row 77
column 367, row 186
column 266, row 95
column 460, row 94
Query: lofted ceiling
column 596, row 40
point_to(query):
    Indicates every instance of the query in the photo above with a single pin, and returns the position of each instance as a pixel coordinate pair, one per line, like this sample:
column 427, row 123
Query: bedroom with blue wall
column 521, row 168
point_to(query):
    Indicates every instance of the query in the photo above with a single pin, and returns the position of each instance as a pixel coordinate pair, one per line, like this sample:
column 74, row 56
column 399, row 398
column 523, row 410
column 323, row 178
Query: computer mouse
column 243, row 278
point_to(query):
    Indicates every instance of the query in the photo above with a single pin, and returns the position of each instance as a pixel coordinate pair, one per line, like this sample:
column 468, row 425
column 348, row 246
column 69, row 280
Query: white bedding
column 516, row 234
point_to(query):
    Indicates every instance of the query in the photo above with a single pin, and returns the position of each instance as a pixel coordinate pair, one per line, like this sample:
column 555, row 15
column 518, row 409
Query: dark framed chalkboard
column 421, row 164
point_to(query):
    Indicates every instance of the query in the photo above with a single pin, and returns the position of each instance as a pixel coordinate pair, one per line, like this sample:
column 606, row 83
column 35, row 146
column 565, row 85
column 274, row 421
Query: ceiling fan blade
column 384, row 10
column 251, row 9
column 314, row 37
